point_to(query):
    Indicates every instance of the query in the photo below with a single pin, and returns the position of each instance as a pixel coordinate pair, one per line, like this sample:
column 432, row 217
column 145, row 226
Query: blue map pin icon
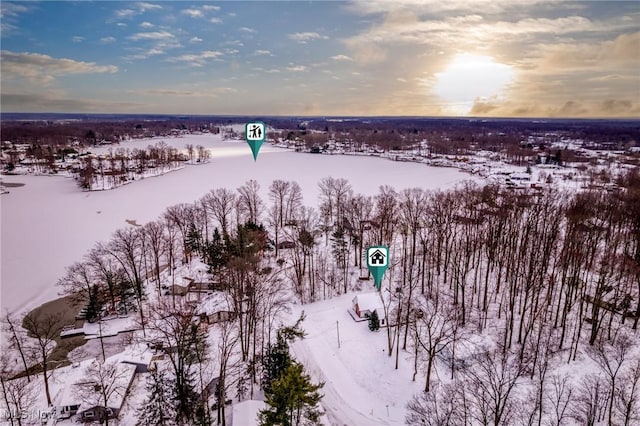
column 377, row 262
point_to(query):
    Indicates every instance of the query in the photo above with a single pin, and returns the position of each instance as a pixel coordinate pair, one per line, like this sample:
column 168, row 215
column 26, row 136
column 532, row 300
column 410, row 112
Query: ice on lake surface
column 50, row 223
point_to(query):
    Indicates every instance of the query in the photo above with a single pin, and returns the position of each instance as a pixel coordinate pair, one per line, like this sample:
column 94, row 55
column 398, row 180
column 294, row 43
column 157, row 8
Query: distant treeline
column 90, row 132
column 393, row 131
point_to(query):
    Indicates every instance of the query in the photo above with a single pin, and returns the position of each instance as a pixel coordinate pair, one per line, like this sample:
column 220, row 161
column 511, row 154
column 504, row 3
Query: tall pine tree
column 293, row 399
column 277, row 358
column 158, row 409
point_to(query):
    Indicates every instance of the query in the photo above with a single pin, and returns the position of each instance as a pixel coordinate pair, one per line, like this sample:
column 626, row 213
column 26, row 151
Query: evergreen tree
column 558, row 158
column 94, row 304
column 215, row 253
column 275, row 362
column 193, row 237
column 293, row 399
column 158, row 409
column 278, row 357
column 374, row 321
column 339, row 247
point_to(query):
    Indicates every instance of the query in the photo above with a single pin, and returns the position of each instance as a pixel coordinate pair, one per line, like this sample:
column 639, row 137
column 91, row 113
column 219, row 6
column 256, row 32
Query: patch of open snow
column 361, row 385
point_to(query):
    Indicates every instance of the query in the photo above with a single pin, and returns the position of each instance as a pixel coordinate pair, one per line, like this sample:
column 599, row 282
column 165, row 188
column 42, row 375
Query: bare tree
column 611, row 358
column 628, row 396
column 126, row 248
column 17, row 393
column 560, row 398
column 221, row 202
column 185, row 344
column 249, row 202
column 154, row 234
column 16, row 336
column 105, row 268
column 80, row 284
column 44, row 328
column 434, row 331
column 103, row 383
column 491, row 381
column 227, row 344
column 446, row 405
column 19, row 397
column 590, row 403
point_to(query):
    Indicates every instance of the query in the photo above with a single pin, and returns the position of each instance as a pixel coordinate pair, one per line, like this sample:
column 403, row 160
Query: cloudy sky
column 400, row 57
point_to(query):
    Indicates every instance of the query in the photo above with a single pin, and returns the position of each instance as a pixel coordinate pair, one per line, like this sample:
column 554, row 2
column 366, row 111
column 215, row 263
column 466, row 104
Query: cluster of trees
column 552, row 276
column 57, row 131
column 122, row 164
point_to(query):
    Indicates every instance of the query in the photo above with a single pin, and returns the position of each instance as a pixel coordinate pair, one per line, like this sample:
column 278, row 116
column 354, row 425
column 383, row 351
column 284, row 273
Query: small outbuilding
column 364, row 304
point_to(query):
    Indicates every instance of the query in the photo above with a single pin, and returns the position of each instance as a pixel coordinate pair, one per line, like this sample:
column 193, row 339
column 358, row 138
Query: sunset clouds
column 484, row 58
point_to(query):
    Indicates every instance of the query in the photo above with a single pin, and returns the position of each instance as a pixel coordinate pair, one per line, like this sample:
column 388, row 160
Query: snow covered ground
column 361, row 385
column 49, row 223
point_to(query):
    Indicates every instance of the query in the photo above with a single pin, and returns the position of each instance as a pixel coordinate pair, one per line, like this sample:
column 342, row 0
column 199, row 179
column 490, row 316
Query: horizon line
column 324, row 116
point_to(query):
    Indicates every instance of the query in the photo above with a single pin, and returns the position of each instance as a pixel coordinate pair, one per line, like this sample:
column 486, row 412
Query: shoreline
column 66, row 308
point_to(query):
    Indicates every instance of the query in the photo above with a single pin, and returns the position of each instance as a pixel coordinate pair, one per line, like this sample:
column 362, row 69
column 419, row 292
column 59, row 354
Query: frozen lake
column 49, row 223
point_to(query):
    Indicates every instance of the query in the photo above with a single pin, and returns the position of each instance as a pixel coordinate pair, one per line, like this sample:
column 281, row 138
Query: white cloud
column 262, row 52
column 237, row 43
column 43, row 69
column 215, row 20
column 306, row 36
column 12, row 9
column 143, row 6
column 125, row 13
column 197, row 59
column 77, row 39
column 247, row 30
column 139, row 8
column 107, row 40
column 146, row 24
column 296, row 68
column 195, row 40
column 341, row 58
column 193, row 13
column 210, row 7
column 153, row 35
column 144, row 55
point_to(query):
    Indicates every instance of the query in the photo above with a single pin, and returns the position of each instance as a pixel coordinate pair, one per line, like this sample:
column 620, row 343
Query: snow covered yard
column 362, row 386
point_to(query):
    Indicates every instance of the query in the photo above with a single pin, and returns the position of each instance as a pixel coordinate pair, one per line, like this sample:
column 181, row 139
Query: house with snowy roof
column 216, row 307
column 71, row 398
column 364, row 304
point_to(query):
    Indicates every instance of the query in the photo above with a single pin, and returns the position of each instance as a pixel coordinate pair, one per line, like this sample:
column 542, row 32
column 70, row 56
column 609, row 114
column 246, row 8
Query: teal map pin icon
column 255, row 133
column 377, row 262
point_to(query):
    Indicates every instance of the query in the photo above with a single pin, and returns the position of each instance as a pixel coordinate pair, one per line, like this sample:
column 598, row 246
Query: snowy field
column 50, row 223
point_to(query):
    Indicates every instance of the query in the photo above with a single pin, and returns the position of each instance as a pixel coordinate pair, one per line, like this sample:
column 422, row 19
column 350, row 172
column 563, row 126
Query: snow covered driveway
column 361, row 385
